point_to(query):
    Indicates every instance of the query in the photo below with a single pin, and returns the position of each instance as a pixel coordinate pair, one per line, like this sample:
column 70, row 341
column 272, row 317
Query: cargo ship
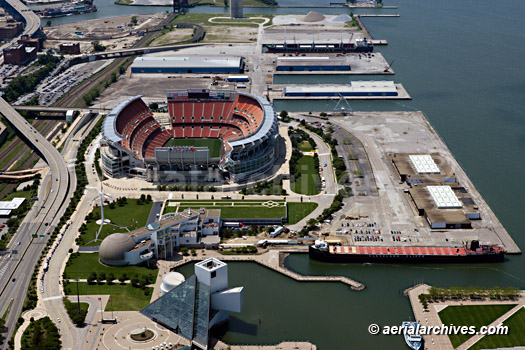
column 470, row 253
column 68, row 10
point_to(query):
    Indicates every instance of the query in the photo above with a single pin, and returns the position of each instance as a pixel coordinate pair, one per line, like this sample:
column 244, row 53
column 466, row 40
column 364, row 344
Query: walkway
column 431, row 317
column 273, row 259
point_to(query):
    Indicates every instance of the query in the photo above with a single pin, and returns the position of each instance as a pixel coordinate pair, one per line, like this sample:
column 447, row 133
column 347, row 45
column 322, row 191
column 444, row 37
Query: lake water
column 461, row 61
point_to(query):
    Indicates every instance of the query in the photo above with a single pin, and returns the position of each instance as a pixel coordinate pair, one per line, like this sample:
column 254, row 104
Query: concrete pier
column 273, row 259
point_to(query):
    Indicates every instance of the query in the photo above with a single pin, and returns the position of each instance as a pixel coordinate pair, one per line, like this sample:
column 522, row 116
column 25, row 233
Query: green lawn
column 231, row 209
column 123, row 297
column 471, row 315
column 305, row 146
column 214, row 145
column 130, row 216
column 297, row 211
column 514, row 337
column 22, row 194
column 81, row 266
column 309, row 182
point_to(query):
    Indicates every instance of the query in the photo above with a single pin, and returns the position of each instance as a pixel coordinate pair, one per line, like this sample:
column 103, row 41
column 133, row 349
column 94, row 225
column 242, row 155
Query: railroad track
column 74, row 97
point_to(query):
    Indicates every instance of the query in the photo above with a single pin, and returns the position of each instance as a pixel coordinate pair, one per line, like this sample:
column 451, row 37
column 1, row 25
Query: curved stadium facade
column 173, row 146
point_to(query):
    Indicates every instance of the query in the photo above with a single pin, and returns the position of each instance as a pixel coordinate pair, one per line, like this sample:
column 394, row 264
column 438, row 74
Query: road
column 16, row 269
column 72, row 337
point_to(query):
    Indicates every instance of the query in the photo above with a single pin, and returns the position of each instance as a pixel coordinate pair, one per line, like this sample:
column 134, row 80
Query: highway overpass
column 133, row 52
column 24, row 250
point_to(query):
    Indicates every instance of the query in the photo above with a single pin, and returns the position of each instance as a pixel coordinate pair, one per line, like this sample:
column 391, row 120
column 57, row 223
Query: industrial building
column 434, row 191
column 196, row 305
column 355, row 88
column 6, row 207
column 320, row 63
column 161, row 239
column 236, row 10
column 19, row 54
column 194, row 64
column 423, row 168
column 69, row 48
column 9, row 30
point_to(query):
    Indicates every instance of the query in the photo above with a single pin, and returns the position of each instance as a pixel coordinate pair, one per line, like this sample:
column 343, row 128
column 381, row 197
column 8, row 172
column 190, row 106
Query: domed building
column 119, row 249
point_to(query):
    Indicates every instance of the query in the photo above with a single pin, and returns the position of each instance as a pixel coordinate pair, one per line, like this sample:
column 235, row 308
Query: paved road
column 72, row 337
column 17, row 268
column 154, row 212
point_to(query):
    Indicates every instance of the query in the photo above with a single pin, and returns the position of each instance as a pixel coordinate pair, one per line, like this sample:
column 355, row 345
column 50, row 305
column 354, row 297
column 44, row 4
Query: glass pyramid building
column 184, row 310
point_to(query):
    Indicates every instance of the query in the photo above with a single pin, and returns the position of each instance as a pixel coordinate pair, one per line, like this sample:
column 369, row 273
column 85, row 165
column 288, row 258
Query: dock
column 272, row 259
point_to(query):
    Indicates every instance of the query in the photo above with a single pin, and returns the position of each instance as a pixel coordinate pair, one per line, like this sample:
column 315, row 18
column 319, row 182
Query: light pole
column 78, row 298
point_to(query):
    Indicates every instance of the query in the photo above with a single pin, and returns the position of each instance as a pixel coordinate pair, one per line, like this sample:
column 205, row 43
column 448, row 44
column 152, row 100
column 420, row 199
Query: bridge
column 133, row 52
column 53, row 109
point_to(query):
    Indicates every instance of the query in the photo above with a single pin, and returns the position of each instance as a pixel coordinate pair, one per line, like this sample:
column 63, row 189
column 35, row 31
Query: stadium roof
column 424, row 164
column 266, row 126
column 187, row 62
column 444, row 197
column 108, row 127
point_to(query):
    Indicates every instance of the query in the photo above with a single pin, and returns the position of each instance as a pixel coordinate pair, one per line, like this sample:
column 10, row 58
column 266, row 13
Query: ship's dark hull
column 296, row 49
column 325, row 256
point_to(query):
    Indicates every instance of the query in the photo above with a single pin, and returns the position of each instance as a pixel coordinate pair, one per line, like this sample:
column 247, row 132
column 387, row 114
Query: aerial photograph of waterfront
column 261, row 174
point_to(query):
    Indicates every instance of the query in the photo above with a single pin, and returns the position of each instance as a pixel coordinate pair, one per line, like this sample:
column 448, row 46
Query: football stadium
column 206, row 136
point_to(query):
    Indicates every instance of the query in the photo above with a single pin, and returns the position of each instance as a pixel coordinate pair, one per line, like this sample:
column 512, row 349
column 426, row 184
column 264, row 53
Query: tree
column 48, row 23
column 184, row 251
column 134, row 20
column 154, row 106
column 111, row 278
column 193, row 252
column 283, row 114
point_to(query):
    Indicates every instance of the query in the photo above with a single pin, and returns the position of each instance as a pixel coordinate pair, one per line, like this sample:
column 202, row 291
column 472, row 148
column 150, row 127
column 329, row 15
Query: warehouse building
column 422, row 168
column 194, row 64
column 355, row 88
column 311, row 64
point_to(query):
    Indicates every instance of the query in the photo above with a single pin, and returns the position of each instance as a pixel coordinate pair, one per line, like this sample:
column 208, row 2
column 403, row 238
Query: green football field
column 214, row 145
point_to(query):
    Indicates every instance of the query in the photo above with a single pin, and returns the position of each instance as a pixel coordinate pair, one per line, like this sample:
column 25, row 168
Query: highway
column 17, row 266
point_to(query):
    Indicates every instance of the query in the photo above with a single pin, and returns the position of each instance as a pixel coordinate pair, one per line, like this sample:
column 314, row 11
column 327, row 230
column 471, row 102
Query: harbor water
column 461, row 63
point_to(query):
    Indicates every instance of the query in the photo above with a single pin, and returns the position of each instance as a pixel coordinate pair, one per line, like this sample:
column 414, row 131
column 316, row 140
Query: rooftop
column 187, row 62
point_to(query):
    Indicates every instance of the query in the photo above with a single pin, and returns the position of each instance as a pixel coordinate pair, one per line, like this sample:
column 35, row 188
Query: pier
column 272, row 259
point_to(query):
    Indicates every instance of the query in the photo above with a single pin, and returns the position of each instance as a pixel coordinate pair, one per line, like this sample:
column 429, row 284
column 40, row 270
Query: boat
column 469, row 253
column 360, row 46
column 412, row 338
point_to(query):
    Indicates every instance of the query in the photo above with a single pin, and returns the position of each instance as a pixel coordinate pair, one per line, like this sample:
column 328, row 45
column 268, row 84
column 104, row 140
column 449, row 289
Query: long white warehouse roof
column 187, row 62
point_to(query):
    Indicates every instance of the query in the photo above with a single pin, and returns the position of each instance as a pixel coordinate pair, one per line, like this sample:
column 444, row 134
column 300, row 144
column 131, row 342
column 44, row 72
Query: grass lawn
column 231, row 209
column 202, row 19
column 22, row 194
column 81, row 266
column 123, row 297
column 214, row 145
column 4, row 161
column 309, row 182
column 305, row 146
column 130, row 216
column 297, row 211
column 514, row 337
column 471, row 315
